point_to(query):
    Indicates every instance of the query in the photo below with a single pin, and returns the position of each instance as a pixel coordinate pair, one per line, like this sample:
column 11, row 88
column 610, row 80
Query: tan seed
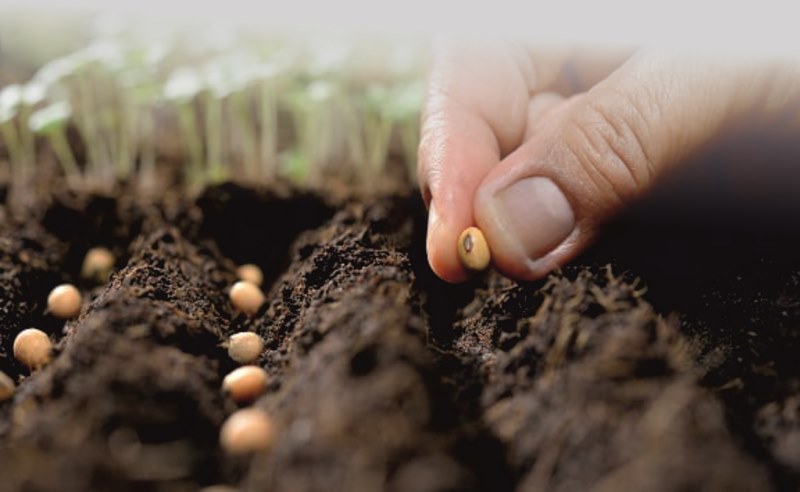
column 97, row 264
column 6, row 386
column 247, row 431
column 245, row 384
column 246, row 297
column 473, row 251
column 32, row 347
column 250, row 273
column 64, row 301
column 245, row 347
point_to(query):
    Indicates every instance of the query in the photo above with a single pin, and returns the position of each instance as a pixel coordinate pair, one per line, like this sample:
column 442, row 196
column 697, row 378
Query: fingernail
column 536, row 215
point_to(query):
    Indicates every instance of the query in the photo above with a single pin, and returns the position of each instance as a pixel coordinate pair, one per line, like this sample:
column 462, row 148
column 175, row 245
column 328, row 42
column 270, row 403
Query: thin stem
column 378, row 142
column 186, row 120
column 58, row 141
column 26, row 136
column 353, row 131
column 269, row 129
column 148, row 155
column 126, row 125
column 86, row 122
column 244, row 121
column 215, row 169
column 409, row 137
column 16, row 154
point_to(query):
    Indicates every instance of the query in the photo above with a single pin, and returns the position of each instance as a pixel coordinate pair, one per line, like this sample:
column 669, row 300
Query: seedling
column 246, row 297
column 97, row 264
column 9, row 103
column 6, row 386
column 181, row 88
column 245, row 347
column 346, row 108
column 33, row 348
column 247, row 431
column 473, row 250
column 245, row 384
column 51, row 122
column 250, row 273
column 64, row 301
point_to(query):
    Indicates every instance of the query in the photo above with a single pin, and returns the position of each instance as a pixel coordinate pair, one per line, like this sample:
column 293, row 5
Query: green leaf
column 50, row 118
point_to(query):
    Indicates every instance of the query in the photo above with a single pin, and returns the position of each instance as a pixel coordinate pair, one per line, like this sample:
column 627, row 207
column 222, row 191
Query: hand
column 538, row 148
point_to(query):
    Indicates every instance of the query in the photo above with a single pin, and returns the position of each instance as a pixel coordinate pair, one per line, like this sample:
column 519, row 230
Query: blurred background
column 109, row 95
column 310, row 90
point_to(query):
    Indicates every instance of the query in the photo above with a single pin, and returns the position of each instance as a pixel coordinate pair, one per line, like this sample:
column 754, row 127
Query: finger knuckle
column 609, row 140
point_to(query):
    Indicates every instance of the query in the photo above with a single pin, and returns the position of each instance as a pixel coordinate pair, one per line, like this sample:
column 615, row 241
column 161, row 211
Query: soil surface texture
column 660, row 360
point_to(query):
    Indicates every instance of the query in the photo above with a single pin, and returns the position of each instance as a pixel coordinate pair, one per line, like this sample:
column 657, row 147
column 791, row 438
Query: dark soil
column 664, row 359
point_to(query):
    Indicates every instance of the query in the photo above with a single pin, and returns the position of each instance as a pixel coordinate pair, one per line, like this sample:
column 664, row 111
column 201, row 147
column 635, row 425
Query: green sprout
column 404, row 110
column 270, row 84
column 346, row 103
column 51, row 122
column 181, row 89
column 377, row 127
column 312, row 110
column 10, row 99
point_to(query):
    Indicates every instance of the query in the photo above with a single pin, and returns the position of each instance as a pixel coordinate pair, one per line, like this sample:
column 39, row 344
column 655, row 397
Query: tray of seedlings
column 213, row 277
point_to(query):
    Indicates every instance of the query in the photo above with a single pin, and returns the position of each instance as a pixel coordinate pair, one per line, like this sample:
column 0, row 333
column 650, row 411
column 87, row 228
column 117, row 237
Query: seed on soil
column 97, row 264
column 473, row 250
column 246, row 297
column 245, row 384
column 32, row 347
column 250, row 273
column 6, row 386
column 64, row 301
column 247, row 431
column 245, row 347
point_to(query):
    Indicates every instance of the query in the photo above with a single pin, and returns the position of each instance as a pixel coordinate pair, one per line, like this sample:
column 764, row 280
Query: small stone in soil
column 247, row 431
column 6, row 386
column 64, row 301
column 246, row 297
column 32, row 347
column 245, row 347
column 97, row 264
column 250, row 273
column 245, row 384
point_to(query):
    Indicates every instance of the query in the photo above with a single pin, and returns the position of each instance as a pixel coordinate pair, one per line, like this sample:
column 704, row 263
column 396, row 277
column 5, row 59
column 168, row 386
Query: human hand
column 538, row 148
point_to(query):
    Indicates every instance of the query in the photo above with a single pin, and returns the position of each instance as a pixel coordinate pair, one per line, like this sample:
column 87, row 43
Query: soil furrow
column 133, row 401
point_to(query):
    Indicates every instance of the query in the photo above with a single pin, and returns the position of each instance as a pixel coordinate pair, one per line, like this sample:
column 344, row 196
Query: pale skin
column 538, row 146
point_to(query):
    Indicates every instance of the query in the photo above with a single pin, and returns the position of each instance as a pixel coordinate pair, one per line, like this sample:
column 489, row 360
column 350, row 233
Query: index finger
column 476, row 111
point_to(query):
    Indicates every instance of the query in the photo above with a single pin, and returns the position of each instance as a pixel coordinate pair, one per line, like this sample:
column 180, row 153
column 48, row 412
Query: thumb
column 594, row 152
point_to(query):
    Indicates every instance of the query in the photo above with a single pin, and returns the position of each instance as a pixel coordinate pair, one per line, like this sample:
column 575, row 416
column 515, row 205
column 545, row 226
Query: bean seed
column 247, row 431
column 246, row 297
column 245, row 384
column 32, row 347
column 473, row 250
column 64, row 301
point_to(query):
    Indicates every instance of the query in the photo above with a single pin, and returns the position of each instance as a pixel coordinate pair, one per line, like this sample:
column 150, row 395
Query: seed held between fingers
column 250, row 273
column 246, row 297
column 33, row 347
column 64, row 301
column 473, row 250
column 247, row 431
column 245, row 347
column 245, row 384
